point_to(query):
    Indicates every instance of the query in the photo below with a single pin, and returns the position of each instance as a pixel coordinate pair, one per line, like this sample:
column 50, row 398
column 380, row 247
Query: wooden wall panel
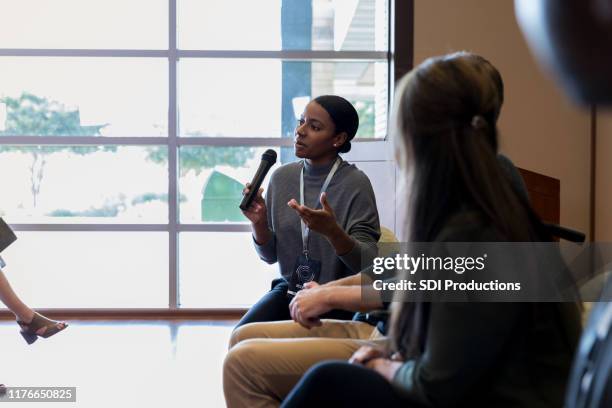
column 545, row 195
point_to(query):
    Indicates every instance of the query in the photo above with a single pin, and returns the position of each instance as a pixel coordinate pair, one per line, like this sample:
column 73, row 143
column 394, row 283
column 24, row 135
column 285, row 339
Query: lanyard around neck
column 305, row 229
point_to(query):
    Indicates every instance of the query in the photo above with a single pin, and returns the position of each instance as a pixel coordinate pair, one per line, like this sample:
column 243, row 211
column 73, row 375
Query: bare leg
column 31, row 323
column 12, row 301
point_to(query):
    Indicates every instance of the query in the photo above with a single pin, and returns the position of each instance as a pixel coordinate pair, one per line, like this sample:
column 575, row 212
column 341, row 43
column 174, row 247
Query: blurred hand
column 385, row 367
column 375, row 359
column 365, row 354
column 311, row 285
column 257, row 212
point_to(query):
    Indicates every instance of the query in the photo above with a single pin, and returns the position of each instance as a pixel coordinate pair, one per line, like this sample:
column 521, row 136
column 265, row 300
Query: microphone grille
column 269, row 156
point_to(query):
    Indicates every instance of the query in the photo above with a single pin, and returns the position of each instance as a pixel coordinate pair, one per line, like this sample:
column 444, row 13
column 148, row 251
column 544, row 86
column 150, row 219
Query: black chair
column 590, row 382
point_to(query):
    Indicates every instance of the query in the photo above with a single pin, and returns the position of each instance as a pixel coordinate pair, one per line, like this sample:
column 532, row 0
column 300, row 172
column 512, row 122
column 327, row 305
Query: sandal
column 32, row 331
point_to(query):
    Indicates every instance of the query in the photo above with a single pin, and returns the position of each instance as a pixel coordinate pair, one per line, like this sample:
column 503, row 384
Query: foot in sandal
column 40, row 326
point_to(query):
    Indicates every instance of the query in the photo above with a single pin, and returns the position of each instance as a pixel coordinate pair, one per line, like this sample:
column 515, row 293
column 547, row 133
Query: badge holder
column 306, row 270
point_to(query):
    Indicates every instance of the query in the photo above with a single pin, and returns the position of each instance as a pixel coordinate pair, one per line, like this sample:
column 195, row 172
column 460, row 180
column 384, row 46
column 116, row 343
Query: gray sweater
column 351, row 197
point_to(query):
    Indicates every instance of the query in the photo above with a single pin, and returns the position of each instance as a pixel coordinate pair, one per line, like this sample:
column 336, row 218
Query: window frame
column 399, row 58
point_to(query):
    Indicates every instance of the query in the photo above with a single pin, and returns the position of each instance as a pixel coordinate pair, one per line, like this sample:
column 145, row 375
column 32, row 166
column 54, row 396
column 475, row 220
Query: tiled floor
column 122, row 364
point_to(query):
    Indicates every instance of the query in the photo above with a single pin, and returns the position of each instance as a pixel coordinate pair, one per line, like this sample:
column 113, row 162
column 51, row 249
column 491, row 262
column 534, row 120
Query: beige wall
column 540, row 130
column 603, row 209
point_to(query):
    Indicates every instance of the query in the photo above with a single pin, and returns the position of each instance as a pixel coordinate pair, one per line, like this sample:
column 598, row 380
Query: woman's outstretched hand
column 322, row 221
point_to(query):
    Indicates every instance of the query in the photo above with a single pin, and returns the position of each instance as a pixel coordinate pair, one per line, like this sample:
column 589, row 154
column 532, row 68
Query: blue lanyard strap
column 305, row 229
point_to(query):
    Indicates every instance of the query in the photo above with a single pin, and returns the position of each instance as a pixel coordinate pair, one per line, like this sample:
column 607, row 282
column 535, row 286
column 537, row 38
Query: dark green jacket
column 491, row 354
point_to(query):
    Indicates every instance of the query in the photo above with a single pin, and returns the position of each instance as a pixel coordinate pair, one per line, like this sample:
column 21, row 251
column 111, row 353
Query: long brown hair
column 445, row 115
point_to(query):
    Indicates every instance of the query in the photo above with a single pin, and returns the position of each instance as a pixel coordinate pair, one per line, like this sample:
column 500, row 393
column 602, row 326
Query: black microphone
column 267, row 160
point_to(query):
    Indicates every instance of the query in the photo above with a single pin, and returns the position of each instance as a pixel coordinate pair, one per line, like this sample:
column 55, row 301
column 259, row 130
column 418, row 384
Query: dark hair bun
column 343, row 114
column 345, row 148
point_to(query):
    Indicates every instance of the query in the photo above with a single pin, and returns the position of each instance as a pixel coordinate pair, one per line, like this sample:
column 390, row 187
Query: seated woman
column 335, row 219
column 455, row 354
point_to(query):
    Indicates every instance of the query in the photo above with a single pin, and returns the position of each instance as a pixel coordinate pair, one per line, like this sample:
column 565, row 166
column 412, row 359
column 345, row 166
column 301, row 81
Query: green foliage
column 367, row 118
column 31, row 115
column 204, row 157
column 149, row 197
column 220, row 199
column 113, row 207
column 199, row 158
column 108, row 210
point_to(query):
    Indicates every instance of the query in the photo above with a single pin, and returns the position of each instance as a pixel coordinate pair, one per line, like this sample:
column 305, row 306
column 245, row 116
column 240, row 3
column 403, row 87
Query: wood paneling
column 545, row 195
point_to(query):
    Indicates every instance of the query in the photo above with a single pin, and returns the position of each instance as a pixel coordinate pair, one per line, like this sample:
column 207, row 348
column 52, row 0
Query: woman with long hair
column 456, row 354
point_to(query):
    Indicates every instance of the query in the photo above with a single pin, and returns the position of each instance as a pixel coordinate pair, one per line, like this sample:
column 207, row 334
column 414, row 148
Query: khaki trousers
column 267, row 359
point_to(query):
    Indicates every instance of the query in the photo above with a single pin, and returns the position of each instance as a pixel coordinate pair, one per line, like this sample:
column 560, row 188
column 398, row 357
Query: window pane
column 212, row 179
column 244, row 97
column 84, row 24
column 83, row 96
column 89, row 269
column 75, row 184
column 221, row 269
column 283, row 24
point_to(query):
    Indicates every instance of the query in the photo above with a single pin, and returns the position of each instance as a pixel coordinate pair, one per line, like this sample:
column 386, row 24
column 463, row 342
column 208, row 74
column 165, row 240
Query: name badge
column 306, row 270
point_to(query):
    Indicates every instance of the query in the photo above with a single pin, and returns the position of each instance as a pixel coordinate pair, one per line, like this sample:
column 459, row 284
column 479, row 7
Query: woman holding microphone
column 319, row 214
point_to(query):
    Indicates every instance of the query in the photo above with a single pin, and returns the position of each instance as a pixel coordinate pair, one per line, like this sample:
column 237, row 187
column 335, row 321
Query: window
column 127, row 130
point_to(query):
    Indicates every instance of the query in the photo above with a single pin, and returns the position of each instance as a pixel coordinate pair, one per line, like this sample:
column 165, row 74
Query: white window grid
column 173, row 141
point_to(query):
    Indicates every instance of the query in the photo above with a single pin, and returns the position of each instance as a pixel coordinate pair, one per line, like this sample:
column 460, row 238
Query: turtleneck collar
column 318, row 169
